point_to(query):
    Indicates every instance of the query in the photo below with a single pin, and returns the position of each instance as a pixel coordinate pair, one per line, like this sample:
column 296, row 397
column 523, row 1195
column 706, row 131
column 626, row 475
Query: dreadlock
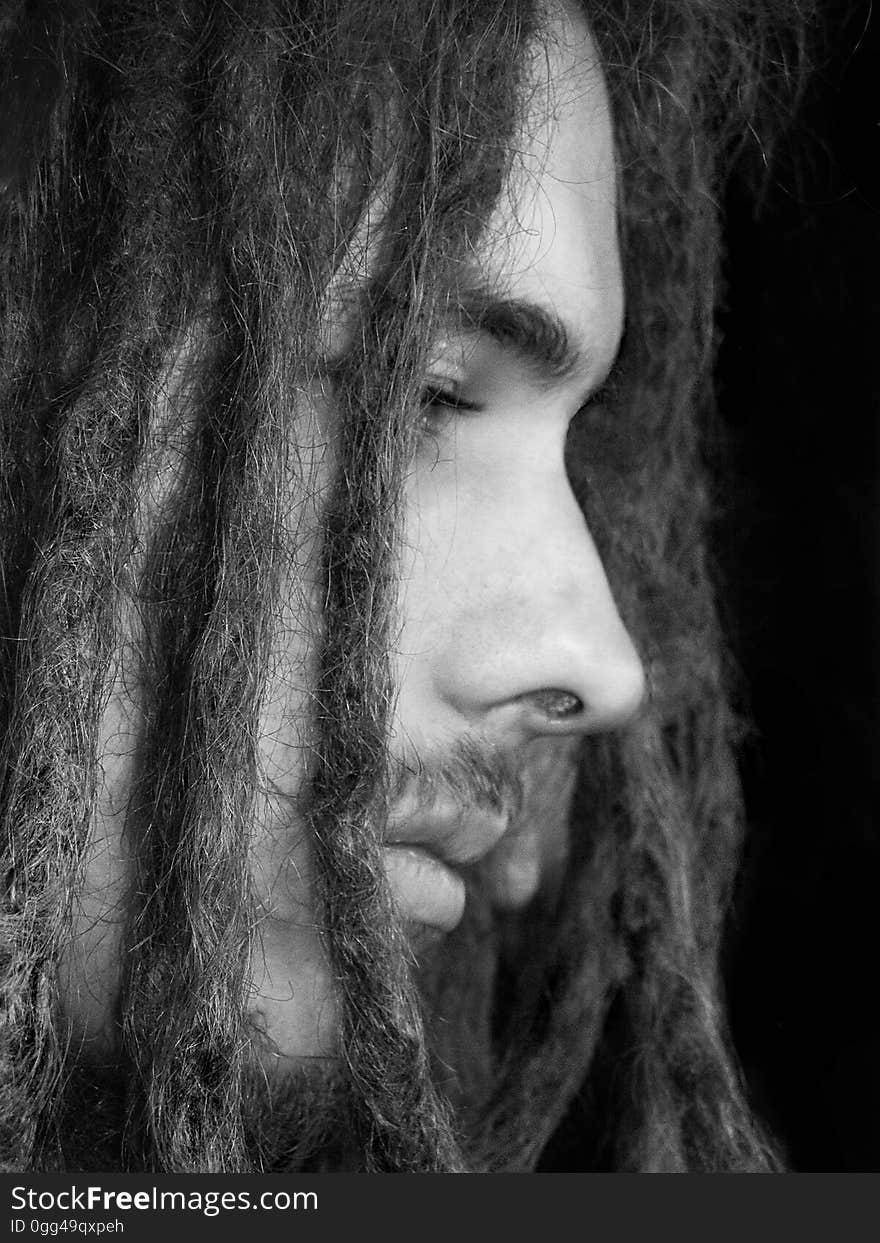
column 170, row 226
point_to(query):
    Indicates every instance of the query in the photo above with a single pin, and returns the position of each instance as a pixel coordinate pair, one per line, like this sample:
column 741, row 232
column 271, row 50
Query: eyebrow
column 537, row 335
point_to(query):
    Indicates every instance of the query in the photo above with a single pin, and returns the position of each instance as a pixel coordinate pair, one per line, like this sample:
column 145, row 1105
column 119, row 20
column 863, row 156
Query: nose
column 540, row 646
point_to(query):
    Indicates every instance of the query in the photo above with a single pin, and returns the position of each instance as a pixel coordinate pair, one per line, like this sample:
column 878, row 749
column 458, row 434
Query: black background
column 800, row 562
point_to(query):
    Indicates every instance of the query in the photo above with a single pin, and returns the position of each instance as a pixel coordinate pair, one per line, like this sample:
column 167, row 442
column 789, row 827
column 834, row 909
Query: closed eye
column 440, row 405
column 437, row 397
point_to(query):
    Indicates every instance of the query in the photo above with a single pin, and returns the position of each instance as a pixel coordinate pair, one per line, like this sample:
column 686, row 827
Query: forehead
column 551, row 241
column 552, row 238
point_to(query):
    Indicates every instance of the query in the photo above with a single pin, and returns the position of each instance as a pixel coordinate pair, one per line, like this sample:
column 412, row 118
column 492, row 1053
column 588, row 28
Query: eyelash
column 433, row 395
column 439, row 405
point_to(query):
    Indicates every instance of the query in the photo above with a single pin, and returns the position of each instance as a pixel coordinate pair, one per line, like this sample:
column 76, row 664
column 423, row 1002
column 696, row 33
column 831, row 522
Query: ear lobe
column 31, row 81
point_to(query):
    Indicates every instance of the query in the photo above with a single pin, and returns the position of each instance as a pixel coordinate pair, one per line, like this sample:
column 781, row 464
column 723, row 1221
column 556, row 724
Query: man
column 314, row 365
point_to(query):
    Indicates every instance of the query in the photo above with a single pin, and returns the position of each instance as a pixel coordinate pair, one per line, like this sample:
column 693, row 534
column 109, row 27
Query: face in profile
column 508, row 645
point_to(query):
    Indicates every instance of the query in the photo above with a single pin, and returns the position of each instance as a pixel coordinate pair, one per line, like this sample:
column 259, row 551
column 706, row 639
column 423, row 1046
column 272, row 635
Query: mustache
column 472, row 774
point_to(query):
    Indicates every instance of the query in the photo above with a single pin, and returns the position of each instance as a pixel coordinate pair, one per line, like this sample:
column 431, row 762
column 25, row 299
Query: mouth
column 427, row 890
column 423, row 857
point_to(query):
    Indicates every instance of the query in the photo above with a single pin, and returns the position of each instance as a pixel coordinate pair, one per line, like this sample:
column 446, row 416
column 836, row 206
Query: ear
column 32, row 39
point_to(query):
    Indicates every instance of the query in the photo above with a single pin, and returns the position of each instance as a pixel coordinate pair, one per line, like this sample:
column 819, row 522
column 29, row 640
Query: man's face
column 509, row 643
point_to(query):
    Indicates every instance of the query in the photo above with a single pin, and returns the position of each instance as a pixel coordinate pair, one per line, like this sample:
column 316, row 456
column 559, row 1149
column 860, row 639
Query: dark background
column 800, row 555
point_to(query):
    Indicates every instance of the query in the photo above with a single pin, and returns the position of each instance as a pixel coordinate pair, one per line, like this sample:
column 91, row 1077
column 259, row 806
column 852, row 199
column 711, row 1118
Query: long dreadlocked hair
column 198, row 174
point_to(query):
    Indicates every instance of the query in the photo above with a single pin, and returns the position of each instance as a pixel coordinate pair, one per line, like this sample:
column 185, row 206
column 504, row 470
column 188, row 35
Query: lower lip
column 425, row 890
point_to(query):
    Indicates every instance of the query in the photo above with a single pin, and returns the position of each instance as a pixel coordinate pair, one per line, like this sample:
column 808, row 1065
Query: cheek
column 424, row 612
column 89, row 971
column 292, row 998
column 445, row 594
column 463, row 500
column 433, row 561
column 280, row 859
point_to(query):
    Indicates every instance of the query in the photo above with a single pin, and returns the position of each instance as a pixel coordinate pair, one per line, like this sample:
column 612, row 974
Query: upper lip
column 452, row 833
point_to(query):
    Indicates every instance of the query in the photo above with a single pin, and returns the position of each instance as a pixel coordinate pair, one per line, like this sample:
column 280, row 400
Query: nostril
column 556, row 705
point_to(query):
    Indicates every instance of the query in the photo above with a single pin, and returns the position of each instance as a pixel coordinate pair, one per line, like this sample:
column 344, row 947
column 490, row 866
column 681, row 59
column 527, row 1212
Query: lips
column 426, row 890
column 515, row 829
column 422, row 856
